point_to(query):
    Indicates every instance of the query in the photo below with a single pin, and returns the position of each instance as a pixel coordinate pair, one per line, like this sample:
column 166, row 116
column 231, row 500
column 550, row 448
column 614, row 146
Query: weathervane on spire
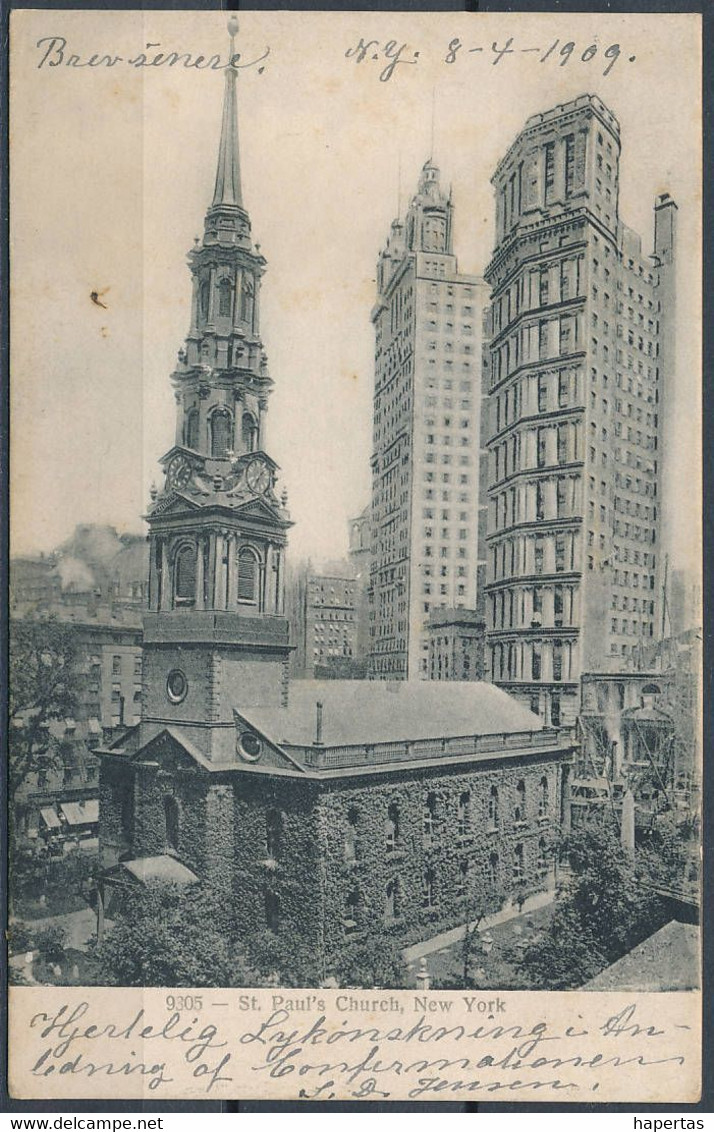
column 233, row 31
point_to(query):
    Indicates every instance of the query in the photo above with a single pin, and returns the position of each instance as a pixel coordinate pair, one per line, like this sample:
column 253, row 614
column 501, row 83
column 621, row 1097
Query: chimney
column 318, row 731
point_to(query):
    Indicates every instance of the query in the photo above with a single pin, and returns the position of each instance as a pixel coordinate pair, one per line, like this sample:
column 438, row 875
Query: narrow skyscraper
column 425, row 461
column 577, row 323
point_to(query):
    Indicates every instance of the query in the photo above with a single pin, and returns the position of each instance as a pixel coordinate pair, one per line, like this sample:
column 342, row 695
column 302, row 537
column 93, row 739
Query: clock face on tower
column 258, row 476
column 178, row 473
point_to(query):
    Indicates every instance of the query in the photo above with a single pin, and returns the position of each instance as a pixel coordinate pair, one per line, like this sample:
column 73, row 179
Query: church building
column 317, row 811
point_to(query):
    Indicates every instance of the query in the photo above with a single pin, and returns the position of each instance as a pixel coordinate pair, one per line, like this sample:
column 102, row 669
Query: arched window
column 351, row 835
column 203, row 298
column 392, row 900
column 493, row 815
column 542, row 859
column 127, row 814
column 273, row 834
column 464, row 822
column 249, row 432
column 493, row 870
column 221, row 432
column 185, row 576
column 272, row 912
column 519, row 811
column 462, row 878
column 224, row 298
column 246, row 300
column 352, row 904
column 430, row 819
column 428, row 899
column 392, row 828
column 171, row 820
column 518, row 863
column 543, row 798
column 191, row 433
column 248, row 575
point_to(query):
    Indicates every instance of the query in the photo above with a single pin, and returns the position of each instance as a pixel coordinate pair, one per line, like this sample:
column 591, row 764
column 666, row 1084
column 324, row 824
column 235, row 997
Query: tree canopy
column 43, row 685
column 170, row 936
column 605, row 908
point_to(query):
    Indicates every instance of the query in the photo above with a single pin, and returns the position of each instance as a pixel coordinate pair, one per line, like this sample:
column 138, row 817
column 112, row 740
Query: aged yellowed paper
column 355, row 556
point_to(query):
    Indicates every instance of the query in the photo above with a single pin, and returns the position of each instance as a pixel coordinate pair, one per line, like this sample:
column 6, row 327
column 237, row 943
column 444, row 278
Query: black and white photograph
column 355, row 564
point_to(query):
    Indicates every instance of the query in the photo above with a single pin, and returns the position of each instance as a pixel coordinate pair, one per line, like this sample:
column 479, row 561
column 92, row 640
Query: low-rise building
column 322, row 608
column 359, row 809
column 58, row 801
column 456, row 644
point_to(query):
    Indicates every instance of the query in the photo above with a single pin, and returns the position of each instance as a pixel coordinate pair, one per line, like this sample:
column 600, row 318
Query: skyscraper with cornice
column 581, row 354
column 425, row 455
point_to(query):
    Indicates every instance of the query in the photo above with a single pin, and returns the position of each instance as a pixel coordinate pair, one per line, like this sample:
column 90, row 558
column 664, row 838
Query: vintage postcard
column 355, row 705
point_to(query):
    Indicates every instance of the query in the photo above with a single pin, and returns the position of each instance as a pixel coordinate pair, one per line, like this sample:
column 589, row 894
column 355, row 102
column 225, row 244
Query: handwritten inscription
column 391, row 54
column 56, row 52
column 355, row 1044
column 523, row 1055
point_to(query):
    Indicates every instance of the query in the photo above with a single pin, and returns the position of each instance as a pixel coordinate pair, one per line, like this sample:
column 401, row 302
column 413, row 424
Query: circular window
column 250, row 746
column 176, row 686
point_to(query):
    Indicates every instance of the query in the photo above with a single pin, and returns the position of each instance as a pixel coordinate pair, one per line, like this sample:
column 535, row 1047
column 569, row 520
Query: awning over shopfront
column 81, row 813
column 49, row 817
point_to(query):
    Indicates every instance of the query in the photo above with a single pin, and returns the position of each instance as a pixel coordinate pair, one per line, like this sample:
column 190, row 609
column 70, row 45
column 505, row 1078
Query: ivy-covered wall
column 390, row 858
column 363, row 856
column 277, row 858
column 116, row 806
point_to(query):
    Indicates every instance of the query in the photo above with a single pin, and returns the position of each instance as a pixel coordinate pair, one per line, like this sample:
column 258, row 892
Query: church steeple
column 228, row 186
column 218, row 526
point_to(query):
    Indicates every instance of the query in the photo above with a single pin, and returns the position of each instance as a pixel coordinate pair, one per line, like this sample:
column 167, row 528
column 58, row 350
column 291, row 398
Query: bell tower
column 215, row 633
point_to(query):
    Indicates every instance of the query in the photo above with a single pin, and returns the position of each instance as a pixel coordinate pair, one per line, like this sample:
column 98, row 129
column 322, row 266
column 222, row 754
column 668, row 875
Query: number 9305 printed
column 184, row 1002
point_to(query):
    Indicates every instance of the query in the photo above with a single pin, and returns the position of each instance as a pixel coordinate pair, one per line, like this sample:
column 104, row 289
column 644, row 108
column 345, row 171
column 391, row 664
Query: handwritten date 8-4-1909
column 390, row 54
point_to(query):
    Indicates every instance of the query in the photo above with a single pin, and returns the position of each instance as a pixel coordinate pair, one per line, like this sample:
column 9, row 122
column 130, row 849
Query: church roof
column 376, row 711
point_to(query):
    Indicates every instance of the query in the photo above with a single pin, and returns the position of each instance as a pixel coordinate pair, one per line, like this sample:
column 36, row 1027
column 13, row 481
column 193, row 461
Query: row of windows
column 249, row 575
column 533, row 660
column 224, row 293
column 440, row 820
column 526, row 607
column 396, row 895
column 539, row 555
column 133, row 661
column 540, row 341
column 221, row 435
column 635, row 628
column 555, row 282
column 545, row 392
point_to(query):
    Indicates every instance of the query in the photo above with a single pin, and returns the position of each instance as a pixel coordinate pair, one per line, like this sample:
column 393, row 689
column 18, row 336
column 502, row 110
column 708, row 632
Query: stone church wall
column 374, row 866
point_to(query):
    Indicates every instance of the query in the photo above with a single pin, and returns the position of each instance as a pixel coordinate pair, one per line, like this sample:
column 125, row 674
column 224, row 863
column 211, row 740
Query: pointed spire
column 228, row 189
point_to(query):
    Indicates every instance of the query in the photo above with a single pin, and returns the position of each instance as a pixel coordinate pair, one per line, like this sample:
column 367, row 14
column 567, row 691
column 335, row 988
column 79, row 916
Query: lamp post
column 486, row 942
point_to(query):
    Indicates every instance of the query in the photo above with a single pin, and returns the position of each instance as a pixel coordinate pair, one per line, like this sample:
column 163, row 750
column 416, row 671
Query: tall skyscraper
column 425, row 463
column 578, row 319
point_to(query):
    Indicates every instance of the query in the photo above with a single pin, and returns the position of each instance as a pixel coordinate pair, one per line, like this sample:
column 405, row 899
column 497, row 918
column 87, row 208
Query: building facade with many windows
column 322, row 608
column 575, row 391
column 425, row 459
column 320, row 812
